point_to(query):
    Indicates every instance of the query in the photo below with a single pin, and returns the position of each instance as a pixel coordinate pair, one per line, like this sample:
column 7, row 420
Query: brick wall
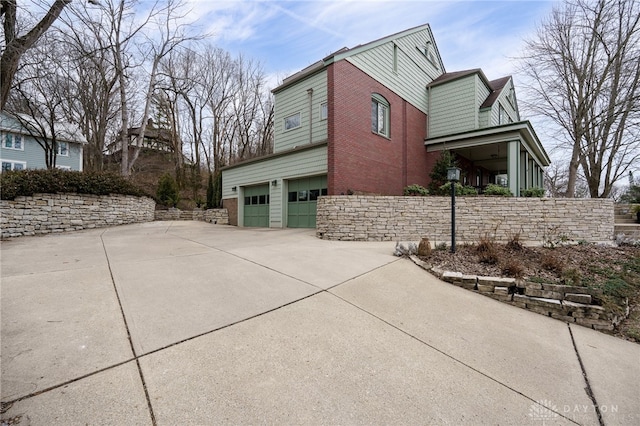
column 231, row 205
column 46, row 213
column 361, row 161
column 378, row 218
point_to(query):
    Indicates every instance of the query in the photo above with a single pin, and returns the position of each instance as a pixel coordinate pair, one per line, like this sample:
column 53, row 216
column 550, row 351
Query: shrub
column 552, row 263
column 514, row 242
column 493, row 189
column 460, row 190
column 438, row 173
column 167, row 192
column 487, row 252
column 513, row 269
column 532, row 192
column 415, row 189
column 42, row 181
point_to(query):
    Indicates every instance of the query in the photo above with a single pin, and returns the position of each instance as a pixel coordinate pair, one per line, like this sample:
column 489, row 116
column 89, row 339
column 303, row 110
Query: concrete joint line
column 126, row 325
column 587, row 388
column 451, row 357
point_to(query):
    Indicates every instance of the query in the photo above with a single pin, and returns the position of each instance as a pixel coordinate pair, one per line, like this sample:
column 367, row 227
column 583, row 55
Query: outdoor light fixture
column 234, row 188
column 453, row 176
column 274, row 182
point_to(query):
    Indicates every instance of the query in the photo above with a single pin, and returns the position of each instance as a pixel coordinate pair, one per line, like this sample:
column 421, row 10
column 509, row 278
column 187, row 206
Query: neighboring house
column 155, row 138
column 372, row 120
column 19, row 148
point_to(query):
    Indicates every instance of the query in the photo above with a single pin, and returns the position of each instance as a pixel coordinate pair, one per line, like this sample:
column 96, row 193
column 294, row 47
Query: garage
column 302, row 200
column 256, row 206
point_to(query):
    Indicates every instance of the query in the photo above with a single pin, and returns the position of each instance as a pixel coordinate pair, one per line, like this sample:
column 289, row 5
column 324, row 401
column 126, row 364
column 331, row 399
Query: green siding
column 294, row 165
column 414, row 70
column 294, row 99
column 454, row 107
column 509, row 108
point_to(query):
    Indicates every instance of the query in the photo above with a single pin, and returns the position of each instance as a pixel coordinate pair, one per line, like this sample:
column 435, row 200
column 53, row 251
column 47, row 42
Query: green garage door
column 303, row 196
column 256, row 206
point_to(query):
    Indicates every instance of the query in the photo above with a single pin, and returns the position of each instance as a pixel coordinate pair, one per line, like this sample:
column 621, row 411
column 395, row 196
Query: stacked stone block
column 535, row 220
column 577, row 305
column 215, row 216
column 48, row 213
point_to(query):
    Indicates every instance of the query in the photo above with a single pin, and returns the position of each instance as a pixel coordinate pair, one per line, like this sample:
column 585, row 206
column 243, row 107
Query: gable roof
column 345, row 52
column 496, row 88
column 451, row 76
column 18, row 123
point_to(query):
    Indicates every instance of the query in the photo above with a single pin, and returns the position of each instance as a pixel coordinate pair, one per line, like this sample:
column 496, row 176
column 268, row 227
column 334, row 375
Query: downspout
column 428, row 110
column 310, row 93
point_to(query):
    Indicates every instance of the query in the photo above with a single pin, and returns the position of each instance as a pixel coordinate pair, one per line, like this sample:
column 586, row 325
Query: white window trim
column 63, row 167
column 326, row 116
column 284, row 121
column 13, row 163
column 380, row 100
column 59, row 144
column 13, row 141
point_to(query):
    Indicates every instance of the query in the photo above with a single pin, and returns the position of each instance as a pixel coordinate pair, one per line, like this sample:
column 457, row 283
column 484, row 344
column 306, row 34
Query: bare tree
column 171, row 34
column 584, row 71
column 39, row 98
column 16, row 45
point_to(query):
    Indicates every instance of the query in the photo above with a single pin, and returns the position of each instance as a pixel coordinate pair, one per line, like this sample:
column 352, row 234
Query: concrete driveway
column 190, row 323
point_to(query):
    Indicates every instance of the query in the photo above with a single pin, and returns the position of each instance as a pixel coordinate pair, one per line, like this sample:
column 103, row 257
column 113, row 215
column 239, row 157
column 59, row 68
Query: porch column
column 513, row 167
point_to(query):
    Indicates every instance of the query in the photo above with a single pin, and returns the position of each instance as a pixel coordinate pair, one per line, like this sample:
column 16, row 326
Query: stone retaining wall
column 536, row 220
column 216, row 216
column 46, row 213
column 576, row 305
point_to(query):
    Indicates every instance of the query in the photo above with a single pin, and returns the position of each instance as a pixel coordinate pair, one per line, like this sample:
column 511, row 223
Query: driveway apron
column 167, row 323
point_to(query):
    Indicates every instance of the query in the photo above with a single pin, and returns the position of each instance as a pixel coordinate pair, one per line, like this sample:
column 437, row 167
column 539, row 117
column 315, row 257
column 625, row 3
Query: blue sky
column 286, row 36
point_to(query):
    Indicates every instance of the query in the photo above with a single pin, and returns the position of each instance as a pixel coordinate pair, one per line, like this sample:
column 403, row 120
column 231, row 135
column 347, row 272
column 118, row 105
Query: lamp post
column 453, row 175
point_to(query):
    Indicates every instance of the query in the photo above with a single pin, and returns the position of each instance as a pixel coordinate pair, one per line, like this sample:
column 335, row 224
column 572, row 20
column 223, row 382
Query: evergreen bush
column 53, row 181
column 460, row 190
column 532, row 192
column 167, row 192
column 416, row 189
column 493, row 189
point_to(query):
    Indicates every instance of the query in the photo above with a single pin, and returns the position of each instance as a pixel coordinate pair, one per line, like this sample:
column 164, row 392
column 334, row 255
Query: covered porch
column 510, row 155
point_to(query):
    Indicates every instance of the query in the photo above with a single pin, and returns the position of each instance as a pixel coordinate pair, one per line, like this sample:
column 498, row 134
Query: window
column 12, row 141
column 379, row 115
column 511, row 97
column 63, row 149
column 324, row 111
column 502, row 115
column 8, row 165
column 63, row 167
column 256, row 200
column 292, row 121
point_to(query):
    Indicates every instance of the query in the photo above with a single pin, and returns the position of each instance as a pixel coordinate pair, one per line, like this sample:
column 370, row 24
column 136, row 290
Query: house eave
column 521, row 130
column 268, row 157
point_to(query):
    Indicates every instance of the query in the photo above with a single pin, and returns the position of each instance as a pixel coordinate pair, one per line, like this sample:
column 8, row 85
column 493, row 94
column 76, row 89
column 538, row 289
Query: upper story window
column 12, row 141
column 511, row 97
column 427, row 51
column 292, row 122
column 63, row 149
column 379, row 115
column 324, row 111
